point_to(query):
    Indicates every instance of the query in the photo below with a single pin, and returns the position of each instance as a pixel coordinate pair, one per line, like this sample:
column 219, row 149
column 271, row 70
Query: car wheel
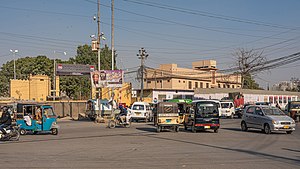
column 185, row 127
column 216, row 130
column 111, row 124
column 267, row 129
column 231, row 116
column 244, row 126
column 289, row 132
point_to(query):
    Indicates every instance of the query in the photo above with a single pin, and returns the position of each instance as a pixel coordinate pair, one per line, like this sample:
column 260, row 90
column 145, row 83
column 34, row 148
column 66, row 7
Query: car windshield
column 295, row 105
column 138, row 107
column 209, row 109
column 225, row 105
column 273, row 111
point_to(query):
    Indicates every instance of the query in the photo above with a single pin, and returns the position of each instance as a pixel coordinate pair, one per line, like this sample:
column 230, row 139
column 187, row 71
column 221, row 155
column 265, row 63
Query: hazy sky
column 171, row 31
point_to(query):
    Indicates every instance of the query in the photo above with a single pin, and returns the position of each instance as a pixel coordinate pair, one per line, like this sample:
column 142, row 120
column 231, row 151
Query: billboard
column 107, row 78
column 73, row 69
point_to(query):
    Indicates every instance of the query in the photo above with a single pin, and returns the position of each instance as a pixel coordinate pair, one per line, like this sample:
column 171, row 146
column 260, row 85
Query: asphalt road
column 84, row 144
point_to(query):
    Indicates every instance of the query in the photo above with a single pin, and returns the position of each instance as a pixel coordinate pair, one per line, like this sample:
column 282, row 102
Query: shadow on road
column 250, row 130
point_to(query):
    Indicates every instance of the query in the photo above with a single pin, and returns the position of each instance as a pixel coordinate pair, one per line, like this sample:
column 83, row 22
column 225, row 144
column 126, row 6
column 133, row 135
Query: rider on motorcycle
column 5, row 120
column 123, row 114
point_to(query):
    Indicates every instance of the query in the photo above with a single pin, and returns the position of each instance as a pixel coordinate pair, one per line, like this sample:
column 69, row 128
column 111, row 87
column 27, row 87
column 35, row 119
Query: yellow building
column 204, row 74
column 121, row 95
column 36, row 88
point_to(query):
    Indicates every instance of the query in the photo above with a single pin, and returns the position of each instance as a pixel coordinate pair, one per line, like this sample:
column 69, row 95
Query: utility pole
column 112, row 35
column 99, row 46
column 142, row 55
column 112, row 50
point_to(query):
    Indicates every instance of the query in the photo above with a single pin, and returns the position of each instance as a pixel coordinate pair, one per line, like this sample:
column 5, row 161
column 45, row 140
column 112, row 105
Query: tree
column 248, row 62
column 79, row 87
column 24, row 67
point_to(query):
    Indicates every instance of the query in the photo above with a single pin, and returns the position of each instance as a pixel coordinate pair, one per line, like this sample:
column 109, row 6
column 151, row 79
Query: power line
column 207, row 14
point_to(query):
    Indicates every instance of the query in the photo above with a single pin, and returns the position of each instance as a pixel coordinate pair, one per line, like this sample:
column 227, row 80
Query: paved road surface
column 84, row 144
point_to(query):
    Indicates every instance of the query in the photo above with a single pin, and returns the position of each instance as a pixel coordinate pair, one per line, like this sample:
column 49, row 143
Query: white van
column 141, row 111
column 227, row 109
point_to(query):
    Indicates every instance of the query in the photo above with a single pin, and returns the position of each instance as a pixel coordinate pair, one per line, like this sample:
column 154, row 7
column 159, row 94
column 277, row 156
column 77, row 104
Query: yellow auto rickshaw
column 183, row 107
column 167, row 116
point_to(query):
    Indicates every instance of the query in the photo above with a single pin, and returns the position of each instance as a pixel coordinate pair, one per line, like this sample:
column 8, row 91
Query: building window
column 160, row 81
column 224, row 86
column 145, row 80
column 157, row 81
column 190, row 85
column 183, row 81
column 201, row 85
column 207, row 85
column 179, row 81
column 228, row 86
column 196, row 84
column 233, row 86
column 168, row 80
column 219, row 85
column 41, row 80
column 148, row 81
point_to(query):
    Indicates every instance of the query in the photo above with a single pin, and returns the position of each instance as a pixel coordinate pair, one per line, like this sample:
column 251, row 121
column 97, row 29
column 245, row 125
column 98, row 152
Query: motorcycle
column 116, row 121
column 12, row 133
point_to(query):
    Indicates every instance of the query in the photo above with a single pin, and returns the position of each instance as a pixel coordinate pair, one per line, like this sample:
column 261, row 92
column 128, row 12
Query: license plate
column 168, row 120
column 286, row 127
column 207, row 127
column 137, row 113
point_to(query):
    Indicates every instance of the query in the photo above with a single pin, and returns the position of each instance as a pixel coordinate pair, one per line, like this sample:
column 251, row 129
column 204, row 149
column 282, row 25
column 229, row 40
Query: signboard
column 74, row 69
column 107, row 78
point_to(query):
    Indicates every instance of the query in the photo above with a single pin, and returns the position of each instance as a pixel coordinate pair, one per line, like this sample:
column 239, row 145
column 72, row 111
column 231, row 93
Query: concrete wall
column 68, row 109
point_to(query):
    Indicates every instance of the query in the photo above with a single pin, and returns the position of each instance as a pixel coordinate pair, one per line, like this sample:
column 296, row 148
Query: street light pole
column 14, row 55
column 142, row 55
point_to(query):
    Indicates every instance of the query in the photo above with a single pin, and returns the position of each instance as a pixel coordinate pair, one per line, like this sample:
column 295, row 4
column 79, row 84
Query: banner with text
column 107, row 78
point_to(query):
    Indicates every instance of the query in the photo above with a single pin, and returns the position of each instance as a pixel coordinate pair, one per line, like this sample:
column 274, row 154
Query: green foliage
column 76, row 87
column 249, row 83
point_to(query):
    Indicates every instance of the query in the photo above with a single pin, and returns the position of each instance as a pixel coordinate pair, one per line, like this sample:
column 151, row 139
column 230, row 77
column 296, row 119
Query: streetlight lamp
column 14, row 55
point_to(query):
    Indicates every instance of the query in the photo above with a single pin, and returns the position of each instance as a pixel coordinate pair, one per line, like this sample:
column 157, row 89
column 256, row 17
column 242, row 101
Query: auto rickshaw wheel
column 23, row 131
column 35, row 132
column 54, row 131
column 185, row 127
column 193, row 128
column 158, row 128
column 177, row 128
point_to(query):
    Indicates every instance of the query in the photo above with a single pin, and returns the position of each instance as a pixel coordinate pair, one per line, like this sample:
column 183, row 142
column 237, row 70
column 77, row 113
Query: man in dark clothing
column 5, row 120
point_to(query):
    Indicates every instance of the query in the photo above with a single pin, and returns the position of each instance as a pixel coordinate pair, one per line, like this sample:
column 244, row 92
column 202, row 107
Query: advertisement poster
column 107, row 78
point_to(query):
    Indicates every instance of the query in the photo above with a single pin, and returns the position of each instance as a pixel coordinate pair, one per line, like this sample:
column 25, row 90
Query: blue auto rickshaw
column 36, row 118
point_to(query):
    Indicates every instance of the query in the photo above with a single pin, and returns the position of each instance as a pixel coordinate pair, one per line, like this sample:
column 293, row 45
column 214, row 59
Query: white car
column 227, row 109
column 141, row 111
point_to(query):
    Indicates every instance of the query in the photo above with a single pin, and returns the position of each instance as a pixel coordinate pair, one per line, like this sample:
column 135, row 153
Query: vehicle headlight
column 275, row 122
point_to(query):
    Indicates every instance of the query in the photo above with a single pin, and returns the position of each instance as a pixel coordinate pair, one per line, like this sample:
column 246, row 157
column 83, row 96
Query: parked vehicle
column 293, row 110
column 96, row 108
column 240, row 111
column 36, row 118
column 167, row 116
column 263, row 103
column 12, row 133
column 227, row 109
column 266, row 118
column 203, row 115
column 141, row 111
column 183, row 107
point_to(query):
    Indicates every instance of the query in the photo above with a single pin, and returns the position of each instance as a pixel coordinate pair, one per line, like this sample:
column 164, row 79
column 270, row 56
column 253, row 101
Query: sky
column 171, row 31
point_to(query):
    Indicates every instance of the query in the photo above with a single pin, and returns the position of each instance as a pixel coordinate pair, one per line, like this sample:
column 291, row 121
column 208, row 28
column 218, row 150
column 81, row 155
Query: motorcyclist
column 123, row 114
column 5, row 120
